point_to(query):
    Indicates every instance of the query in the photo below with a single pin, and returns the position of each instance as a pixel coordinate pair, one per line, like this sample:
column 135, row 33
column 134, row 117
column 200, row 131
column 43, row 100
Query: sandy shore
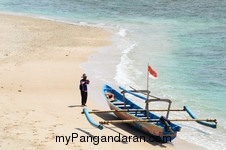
column 39, row 96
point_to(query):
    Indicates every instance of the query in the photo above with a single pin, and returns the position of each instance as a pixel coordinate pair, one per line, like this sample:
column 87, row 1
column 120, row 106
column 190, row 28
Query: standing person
column 83, row 88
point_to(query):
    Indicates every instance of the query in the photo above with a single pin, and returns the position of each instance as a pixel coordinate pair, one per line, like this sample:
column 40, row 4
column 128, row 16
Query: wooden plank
column 118, row 103
column 123, row 106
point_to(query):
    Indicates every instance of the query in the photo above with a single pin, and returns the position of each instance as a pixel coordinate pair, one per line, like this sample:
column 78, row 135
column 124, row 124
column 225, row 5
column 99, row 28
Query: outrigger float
column 143, row 119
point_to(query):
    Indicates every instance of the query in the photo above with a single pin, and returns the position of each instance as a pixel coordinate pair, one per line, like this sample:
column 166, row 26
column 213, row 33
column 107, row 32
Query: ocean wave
column 125, row 68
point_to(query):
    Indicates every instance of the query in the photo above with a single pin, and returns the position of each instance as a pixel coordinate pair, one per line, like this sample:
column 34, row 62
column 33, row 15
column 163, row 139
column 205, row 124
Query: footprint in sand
column 51, row 130
column 19, row 134
column 35, row 131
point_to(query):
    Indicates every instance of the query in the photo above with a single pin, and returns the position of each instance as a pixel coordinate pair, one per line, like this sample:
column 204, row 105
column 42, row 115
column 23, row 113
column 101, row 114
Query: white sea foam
column 125, row 67
column 122, row 32
column 203, row 136
column 83, row 23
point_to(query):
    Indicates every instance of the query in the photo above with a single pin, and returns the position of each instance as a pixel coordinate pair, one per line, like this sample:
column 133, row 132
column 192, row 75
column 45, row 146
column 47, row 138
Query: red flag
column 152, row 72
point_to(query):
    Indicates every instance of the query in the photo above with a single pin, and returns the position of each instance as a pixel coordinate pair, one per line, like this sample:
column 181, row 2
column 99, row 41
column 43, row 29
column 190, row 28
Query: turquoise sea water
column 184, row 41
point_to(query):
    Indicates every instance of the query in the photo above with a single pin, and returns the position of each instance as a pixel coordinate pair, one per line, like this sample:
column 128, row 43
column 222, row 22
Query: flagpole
column 147, row 78
column 147, row 104
column 152, row 72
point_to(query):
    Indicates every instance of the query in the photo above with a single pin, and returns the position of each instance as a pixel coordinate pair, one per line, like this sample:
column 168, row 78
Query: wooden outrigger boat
column 143, row 119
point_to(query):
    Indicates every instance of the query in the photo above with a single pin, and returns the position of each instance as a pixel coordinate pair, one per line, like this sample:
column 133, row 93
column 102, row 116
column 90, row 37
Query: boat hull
column 154, row 129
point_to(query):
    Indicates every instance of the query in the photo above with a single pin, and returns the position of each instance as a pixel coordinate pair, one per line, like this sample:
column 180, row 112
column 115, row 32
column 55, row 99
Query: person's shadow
column 72, row 106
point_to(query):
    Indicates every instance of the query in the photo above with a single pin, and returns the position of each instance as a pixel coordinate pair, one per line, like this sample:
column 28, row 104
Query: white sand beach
column 39, row 96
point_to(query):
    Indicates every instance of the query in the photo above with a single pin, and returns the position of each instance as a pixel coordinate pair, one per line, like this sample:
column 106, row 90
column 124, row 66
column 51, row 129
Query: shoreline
column 40, row 100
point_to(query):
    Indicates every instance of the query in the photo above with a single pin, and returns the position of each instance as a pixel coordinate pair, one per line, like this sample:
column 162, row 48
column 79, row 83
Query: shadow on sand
column 126, row 128
column 72, row 106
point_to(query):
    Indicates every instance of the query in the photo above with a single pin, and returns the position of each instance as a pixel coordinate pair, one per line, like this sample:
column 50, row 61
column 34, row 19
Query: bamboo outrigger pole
column 154, row 120
column 131, row 110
